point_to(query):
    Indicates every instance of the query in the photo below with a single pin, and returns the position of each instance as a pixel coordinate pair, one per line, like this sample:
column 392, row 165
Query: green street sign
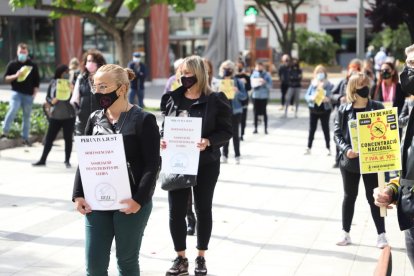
column 251, row 10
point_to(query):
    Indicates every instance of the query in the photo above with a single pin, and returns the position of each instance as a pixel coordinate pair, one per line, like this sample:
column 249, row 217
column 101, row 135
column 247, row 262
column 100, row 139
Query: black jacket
column 142, row 150
column 216, row 113
column 87, row 104
column 398, row 100
column 345, row 113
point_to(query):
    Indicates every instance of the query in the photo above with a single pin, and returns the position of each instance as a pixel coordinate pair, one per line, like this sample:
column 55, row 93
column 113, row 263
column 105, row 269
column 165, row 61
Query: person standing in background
column 138, row 84
column 261, row 82
column 82, row 97
column 74, row 70
column 62, row 116
column 23, row 75
column 318, row 98
column 244, row 77
column 295, row 79
column 284, row 79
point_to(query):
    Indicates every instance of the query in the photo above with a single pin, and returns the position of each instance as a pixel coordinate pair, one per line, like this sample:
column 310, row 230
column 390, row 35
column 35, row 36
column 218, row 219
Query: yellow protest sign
column 25, row 71
column 319, row 96
column 353, row 134
column 175, row 85
column 227, row 87
column 379, row 141
column 62, row 89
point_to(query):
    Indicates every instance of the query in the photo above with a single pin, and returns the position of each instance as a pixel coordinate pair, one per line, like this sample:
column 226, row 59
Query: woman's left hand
column 203, row 144
column 132, row 208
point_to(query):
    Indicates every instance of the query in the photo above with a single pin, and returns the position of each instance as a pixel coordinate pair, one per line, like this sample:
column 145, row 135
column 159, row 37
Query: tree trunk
column 123, row 48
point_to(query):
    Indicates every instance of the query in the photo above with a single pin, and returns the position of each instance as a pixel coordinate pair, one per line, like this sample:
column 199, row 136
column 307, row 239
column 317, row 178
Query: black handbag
column 172, row 181
column 351, row 165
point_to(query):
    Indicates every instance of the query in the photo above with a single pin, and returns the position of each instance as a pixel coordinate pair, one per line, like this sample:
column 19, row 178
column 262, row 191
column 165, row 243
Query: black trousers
column 284, row 88
column 203, row 200
column 55, row 125
column 409, row 244
column 243, row 120
column 235, row 118
column 260, row 108
column 351, row 183
column 313, row 124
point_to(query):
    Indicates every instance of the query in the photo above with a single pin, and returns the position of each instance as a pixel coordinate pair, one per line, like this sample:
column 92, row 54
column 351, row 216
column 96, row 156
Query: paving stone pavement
column 277, row 213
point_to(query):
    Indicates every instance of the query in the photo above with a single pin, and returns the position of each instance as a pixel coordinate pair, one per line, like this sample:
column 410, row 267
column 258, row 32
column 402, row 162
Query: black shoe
column 39, row 163
column 200, row 266
column 255, row 131
column 241, row 138
column 266, row 131
column 335, row 165
column 179, row 267
column 68, row 165
column 27, row 143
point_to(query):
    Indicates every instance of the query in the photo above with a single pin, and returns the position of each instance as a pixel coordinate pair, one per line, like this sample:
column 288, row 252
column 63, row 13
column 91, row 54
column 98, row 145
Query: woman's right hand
column 384, row 198
column 82, row 206
column 351, row 154
column 163, row 144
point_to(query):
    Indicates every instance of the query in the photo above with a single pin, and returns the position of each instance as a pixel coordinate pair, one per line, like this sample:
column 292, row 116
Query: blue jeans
column 102, row 227
column 136, row 92
column 19, row 100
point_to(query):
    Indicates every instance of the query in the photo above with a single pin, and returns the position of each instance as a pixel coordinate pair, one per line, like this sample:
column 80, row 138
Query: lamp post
column 361, row 31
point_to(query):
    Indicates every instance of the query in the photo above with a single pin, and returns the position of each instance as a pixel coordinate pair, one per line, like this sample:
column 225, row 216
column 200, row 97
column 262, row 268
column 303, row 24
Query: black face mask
column 260, row 71
column 385, row 75
column 106, row 100
column 227, row 72
column 363, row 92
column 407, row 80
column 188, row 82
column 240, row 70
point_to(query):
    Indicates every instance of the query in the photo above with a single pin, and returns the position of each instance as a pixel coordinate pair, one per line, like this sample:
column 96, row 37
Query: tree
column 392, row 13
column 394, row 40
column 286, row 34
column 104, row 14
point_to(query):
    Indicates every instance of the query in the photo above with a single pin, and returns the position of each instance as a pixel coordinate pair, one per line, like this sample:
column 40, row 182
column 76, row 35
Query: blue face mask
column 22, row 57
column 320, row 76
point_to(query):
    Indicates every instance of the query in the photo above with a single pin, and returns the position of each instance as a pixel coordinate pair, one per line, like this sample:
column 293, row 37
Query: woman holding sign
column 357, row 96
column 235, row 92
column 318, row 98
column 140, row 135
column 62, row 114
column 195, row 98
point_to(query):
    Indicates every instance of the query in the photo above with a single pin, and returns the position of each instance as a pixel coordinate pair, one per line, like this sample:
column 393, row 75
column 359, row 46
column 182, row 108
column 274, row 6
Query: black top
column 142, row 150
column 184, row 107
column 32, row 80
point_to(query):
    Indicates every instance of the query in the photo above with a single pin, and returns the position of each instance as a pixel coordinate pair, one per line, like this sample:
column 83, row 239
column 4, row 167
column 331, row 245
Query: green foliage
column 316, row 48
column 38, row 121
column 394, row 40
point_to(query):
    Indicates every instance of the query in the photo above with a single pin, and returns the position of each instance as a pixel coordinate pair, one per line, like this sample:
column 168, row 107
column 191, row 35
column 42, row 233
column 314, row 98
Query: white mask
column 136, row 59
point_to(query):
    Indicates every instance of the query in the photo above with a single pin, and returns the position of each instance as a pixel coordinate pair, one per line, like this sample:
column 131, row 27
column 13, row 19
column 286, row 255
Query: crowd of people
column 100, row 100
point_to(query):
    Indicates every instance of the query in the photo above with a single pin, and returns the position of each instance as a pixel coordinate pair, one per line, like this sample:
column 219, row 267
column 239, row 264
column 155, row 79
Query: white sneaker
column 328, row 153
column 307, row 151
column 237, row 160
column 382, row 241
column 224, row 159
column 345, row 240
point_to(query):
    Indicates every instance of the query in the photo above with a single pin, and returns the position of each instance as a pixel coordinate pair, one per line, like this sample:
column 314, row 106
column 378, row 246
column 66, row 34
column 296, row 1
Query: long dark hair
column 60, row 70
column 380, row 79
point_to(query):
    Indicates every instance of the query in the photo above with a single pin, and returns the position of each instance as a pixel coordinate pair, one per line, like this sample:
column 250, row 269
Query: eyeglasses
column 385, row 70
column 99, row 88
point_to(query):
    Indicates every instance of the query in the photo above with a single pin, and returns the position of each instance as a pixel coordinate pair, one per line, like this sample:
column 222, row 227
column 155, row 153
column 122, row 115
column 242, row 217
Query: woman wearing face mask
column 318, row 98
column 244, row 77
column 388, row 89
column 357, row 96
column 141, row 142
column 82, row 98
column 235, row 96
column 62, row 115
column 195, row 98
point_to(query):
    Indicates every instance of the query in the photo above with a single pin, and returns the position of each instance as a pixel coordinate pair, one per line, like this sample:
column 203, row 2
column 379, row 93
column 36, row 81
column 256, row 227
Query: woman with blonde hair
column 195, row 98
column 357, row 96
column 318, row 98
column 140, row 135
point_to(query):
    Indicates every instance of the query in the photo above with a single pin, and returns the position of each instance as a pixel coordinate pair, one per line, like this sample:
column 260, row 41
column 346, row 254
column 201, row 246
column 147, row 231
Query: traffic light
column 251, row 10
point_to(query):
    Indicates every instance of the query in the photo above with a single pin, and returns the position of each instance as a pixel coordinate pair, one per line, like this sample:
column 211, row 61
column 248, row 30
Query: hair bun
column 131, row 74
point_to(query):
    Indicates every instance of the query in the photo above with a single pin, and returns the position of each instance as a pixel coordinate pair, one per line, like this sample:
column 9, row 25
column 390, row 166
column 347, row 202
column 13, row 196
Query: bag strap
column 407, row 141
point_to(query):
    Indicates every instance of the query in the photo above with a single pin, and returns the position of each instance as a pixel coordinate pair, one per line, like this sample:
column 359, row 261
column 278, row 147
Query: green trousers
column 101, row 227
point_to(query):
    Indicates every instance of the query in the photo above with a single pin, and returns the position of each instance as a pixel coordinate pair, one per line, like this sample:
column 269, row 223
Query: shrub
column 38, row 121
column 316, row 48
